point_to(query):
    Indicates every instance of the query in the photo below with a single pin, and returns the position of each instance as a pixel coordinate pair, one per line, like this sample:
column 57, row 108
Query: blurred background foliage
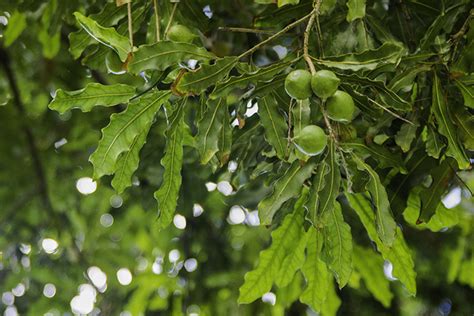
column 64, row 251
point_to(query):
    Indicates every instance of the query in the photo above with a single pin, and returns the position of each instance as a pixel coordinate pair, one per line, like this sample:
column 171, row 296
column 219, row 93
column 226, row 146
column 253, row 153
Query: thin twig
column 157, row 21
column 271, row 38
column 170, row 20
column 244, row 30
column 130, row 25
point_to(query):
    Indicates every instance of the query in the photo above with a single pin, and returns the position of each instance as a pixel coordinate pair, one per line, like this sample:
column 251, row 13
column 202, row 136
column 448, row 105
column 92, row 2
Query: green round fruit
column 180, row 33
column 324, row 83
column 298, row 84
column 311, row 140
column 340, row 107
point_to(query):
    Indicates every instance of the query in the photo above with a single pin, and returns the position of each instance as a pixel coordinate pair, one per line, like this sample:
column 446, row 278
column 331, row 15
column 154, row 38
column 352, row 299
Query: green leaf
column 388, row 53
column 92, row 95
column 128, row 163
column 405, row 136
column 370, row 267
column 315, row 272
column 434, row 144
column 337, row 245
column 384, row 221
column 195, row 82
column 455, row 259
column 431, row 196
column 301, row 115
column 286, row 187
column 105, row 35
column 285, row 2
column 110, row 15
column 332, row 302
column 446, row 126
column 164, row 54
column 209, row 129
column 380, row 154
column 465, row 121
column 118, row 136
column 389, row 98
column 467, row 93
column 167, row 194
column 442, row 218
column 225, row 139
column 292, row 262
column 261, row 74
column 16, row 26
column 398, row 254
column 325, row 187
column 259, row 281
column 356, row 10
column 276, row 129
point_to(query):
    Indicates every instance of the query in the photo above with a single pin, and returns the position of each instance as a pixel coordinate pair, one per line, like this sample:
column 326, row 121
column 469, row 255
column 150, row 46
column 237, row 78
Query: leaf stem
column 271, row 38
column 130, row 25
column 170, row 20
column 157, row 20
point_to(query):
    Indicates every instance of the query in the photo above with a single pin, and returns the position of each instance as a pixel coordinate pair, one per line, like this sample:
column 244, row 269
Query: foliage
column 333, row 229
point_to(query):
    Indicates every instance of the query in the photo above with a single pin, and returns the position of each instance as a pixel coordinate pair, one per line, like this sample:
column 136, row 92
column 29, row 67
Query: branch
column 244, row 30
column 40, row 174
column 271, row 38
column 157, row 21
column 306, row 41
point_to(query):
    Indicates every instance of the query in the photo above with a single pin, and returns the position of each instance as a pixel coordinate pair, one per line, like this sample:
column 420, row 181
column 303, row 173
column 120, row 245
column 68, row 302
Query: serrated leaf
column 118, row 136
column 398, row 254
column 292, row 262
column 92, row 95
column 405, row 80
column 16, row 25
column 195, row 82
column 383, row 157
column 442, row 218
column 388, row 53
column 261, row 74
column 276, row 129
column 259, row 281
column 105, row 35
column 434, row 144
column 388, row 97
column 467, row 93
column 332, row 303
column 446, row 126
column 465, row 121
column 337, row 245
column 209, row 128
column 330, row 190
column 319, row 182
column 315, row 272
column 286, row 187
column 356, row 10
column 385, row 223
column 78, row 41
column 370, row 267
column 431, row 196
column 300, row 115
column 405, row 136
column 164, row 54
column 225, row 139
column 172, row 161
column 128, row 163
